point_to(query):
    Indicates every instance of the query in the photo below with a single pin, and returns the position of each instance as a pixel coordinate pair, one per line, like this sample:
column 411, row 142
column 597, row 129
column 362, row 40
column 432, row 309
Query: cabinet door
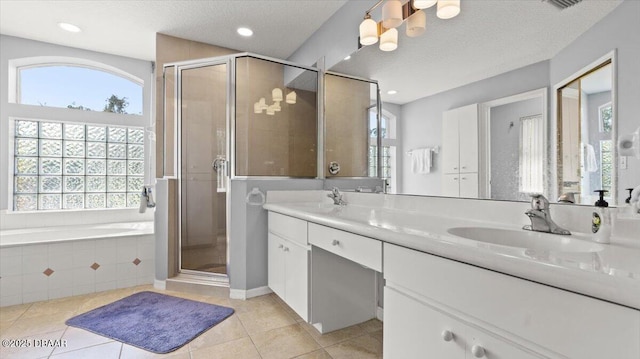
column 469, row 185
column 297, row 278
column 275, row 265
column 450, row 145
column 413, row 330
column 451, row 185
column 468, row 137
column 484, row 345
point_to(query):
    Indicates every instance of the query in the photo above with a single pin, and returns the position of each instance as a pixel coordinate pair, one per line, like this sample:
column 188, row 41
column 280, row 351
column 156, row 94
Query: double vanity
column 460, row 278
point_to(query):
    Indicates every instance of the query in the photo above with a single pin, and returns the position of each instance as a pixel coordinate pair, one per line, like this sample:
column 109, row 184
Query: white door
column 451, row 185
column 275, row 266
column 469, row 185
column 450, row 144
column 297, row 278
column 468, row 137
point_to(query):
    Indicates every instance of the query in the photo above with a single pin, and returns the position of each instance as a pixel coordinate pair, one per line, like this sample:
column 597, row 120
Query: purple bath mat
column 152, row 321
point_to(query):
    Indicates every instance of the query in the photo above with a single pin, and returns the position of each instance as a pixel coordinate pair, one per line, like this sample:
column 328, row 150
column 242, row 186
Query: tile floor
column 262, row 327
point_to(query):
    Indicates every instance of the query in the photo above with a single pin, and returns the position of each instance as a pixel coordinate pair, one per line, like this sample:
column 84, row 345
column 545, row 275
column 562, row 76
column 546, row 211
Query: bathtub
column 16, row 237
column 54, row 262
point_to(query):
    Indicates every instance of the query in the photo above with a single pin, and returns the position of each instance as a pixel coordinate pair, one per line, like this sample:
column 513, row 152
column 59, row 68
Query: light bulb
column 389, row 40
column 423, row 4
column 392, row 14
column 368, row 32
column 291, row 98
column 416, row 24
column 448, row 9
column 276, row 94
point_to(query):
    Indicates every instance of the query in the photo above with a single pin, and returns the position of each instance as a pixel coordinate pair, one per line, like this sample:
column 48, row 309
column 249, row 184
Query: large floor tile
column 236, row 349
column 228, row 330
column 131, row 352
column 57, row 306
column 362, row 347
column 103, row 351
column 318, row 354
column 34, row 349
column 334, row 337
column 263, row 302
column 11, row 313
column 79, row 338
column 286, row 342
column 265, row 319
column 37, row 326
column 370, row 326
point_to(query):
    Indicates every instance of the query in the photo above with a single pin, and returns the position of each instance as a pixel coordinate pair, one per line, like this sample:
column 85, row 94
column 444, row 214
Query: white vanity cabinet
column 439, row 308
column 460, row 152
column 413, row 329
column 288, row 261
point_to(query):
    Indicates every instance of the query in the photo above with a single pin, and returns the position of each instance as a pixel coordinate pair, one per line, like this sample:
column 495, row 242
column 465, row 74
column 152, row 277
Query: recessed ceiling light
column 348, row 57
column 245, row 31
column 69, row 27
column 392, row 92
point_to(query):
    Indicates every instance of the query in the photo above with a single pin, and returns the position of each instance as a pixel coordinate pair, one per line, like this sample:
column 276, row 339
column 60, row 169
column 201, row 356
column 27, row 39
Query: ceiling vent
column 563, row 4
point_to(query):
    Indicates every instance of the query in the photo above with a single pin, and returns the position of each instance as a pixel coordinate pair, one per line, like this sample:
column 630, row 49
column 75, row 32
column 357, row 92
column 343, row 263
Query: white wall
column 15, row 48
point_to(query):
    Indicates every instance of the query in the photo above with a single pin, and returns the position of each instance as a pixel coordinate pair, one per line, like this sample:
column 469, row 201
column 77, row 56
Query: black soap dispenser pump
column 628, row 200
column 601, row 220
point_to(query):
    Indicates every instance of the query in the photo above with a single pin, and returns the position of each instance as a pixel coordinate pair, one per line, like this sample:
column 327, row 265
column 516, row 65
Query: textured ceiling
column 128, row 27
column 489, row 37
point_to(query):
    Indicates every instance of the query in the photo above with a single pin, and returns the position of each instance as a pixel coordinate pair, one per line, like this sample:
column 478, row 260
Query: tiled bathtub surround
column 16, row 220
column 35, row 272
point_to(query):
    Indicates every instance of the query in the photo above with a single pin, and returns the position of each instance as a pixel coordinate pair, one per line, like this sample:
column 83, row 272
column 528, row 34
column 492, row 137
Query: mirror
column 586, row 138
column 511, row 165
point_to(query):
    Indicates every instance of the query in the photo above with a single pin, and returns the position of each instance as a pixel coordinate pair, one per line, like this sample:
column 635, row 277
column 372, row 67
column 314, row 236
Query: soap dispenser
column 601, row 220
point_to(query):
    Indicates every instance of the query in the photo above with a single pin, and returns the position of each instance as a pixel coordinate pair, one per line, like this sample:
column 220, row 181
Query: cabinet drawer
column 570, row 324
column 289, row 228
column 362, row 250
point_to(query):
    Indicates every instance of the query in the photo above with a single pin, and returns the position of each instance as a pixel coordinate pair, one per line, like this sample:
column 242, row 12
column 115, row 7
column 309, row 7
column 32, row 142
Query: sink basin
column 526, row 239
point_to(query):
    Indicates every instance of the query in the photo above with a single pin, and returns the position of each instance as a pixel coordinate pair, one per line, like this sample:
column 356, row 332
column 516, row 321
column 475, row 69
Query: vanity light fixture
column 394, row 14
column 245, row 31
column 291, row 98
column 277, row 97
column 68, row 27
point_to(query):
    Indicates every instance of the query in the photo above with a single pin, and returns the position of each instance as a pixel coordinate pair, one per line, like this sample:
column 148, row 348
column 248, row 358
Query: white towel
column 421, row 161
column 590, row 161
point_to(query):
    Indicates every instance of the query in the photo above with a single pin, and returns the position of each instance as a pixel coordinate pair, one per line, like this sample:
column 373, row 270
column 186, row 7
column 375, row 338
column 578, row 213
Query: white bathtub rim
column 142, row 228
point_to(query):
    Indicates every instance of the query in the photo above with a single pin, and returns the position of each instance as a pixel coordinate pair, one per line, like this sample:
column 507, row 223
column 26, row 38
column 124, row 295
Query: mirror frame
column 611, row 58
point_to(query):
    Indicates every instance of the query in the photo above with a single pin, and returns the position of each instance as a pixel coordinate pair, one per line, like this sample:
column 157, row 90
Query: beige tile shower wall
column 172, row 49
column 346, row 116
column 283, row 144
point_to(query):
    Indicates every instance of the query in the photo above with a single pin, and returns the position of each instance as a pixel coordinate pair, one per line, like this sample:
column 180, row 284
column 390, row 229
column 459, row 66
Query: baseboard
column 246, row 294
column 379, row 313
column 160, row 284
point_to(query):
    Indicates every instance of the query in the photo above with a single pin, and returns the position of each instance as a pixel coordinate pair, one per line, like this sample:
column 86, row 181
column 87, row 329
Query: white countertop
column 611, row 274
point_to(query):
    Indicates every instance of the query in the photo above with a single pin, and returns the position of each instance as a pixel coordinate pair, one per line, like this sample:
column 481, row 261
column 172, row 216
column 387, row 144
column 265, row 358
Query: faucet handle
column 539, row 202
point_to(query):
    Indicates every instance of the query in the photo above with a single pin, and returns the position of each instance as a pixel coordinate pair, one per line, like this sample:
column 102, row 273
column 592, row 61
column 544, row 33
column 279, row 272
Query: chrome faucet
column 146, row 199
column 541, row 217
column 336, row 196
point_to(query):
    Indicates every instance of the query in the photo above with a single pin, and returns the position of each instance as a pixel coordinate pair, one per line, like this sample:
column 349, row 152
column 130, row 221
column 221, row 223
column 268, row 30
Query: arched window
column 85, row 154
column 78, row 87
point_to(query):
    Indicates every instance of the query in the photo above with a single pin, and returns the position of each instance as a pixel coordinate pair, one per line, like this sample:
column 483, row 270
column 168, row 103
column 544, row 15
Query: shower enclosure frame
column 230, row 62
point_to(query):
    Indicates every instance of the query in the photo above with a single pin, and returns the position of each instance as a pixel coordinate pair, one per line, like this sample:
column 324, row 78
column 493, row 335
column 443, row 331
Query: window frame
column 27, row 112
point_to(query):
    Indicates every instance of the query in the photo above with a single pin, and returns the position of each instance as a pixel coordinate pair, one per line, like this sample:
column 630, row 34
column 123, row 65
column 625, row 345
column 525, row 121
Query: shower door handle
column 219, row 164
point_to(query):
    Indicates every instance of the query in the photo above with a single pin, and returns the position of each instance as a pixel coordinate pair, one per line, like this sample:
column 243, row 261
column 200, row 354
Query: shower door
column 202, row 132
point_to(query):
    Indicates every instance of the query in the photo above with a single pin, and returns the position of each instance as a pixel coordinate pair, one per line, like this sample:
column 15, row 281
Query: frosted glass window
column 75, row 166
column 531, row 158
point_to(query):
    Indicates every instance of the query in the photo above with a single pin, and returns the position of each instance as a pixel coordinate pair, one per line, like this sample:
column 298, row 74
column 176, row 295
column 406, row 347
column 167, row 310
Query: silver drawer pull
column 335, row 242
